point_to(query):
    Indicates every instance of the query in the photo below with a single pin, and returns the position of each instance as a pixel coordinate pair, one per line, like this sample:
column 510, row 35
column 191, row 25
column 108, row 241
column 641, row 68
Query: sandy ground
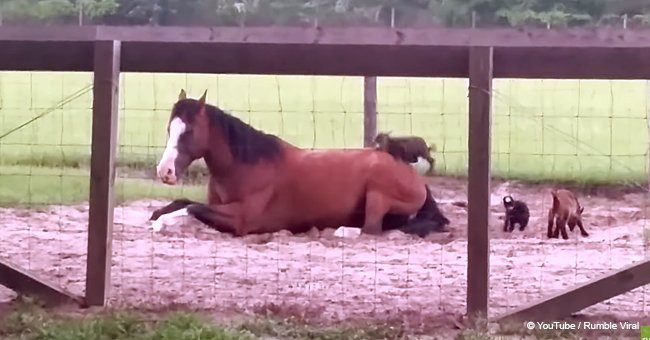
column 318, row 275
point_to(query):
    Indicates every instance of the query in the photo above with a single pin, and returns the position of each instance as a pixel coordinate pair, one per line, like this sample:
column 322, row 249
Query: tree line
column 400, row 13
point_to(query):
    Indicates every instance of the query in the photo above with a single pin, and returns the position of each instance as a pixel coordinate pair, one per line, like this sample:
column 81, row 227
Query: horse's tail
column 428, row 219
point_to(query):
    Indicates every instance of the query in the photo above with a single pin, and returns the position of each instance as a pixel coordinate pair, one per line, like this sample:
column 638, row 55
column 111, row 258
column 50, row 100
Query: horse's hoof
column 157, row 225
column 346, row 232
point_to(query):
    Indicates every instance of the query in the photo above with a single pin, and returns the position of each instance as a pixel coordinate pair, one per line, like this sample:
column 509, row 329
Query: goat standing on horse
column 407, row 149
column 260, row 183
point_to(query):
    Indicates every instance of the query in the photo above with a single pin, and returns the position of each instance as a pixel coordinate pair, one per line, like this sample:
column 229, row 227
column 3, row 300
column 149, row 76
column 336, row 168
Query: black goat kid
column 516, row 213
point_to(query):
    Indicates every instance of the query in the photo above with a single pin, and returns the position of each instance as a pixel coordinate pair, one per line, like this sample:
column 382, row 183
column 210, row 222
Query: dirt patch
column 317, row 275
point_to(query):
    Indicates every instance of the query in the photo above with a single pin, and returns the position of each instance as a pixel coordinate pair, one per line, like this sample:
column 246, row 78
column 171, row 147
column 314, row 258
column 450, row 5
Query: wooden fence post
column 369, row 110
column 478, row 192
column 102, row 170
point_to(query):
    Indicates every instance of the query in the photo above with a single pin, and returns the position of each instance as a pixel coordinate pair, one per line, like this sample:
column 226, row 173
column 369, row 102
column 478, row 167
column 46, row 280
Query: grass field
column 34, row 323
column 590, row 131
column 28, row 321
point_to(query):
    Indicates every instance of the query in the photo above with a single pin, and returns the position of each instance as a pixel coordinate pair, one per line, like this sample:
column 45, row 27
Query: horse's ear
column 182, row 95
column 202, row 99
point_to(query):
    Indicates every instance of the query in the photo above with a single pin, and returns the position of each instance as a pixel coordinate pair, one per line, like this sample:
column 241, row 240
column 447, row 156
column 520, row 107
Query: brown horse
column 261, row 184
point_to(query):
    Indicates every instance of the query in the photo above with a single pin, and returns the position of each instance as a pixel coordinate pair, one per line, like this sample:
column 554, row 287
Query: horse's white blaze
column 165, row 167
column 166, row 219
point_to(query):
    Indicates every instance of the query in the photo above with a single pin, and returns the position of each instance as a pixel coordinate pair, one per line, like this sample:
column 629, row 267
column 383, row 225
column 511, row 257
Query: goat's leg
column 523, row 224
column 583, row 232
column 572, row 224
column 560, row 227
column 549, row 228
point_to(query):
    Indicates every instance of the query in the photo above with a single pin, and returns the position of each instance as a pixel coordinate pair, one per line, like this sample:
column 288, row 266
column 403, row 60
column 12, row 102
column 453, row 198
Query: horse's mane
column 247, row 144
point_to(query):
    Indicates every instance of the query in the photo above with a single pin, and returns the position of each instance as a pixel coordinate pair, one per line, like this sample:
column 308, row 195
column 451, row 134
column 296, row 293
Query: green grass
column 118, row 326
column 30, row 186
column 29, row 322
column 585, row 131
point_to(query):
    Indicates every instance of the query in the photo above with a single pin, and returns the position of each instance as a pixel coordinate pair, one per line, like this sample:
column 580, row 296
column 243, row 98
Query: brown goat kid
column 407, row 149
column 565, row 209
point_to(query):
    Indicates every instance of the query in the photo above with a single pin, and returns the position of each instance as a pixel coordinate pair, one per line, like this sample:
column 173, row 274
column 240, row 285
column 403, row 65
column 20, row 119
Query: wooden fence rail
column 479, row 55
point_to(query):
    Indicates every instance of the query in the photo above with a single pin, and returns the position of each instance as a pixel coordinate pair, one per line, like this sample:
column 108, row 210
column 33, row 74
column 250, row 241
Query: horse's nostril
column 169, row 172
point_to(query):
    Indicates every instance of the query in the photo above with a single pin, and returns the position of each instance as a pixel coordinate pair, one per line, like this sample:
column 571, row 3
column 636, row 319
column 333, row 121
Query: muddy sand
column 318, row 275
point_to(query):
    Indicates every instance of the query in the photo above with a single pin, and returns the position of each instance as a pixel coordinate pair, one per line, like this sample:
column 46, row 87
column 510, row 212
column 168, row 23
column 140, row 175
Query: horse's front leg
column 171, row 207
column 225, row 218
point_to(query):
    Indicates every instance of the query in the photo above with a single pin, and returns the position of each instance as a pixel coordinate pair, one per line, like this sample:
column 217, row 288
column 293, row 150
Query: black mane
column 247, row 144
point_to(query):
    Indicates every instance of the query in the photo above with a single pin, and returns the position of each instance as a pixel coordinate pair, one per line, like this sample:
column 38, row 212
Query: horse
column 259, row 183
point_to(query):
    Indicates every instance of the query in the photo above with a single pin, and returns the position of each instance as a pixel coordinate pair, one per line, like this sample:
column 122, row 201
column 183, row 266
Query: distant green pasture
column 542, row 130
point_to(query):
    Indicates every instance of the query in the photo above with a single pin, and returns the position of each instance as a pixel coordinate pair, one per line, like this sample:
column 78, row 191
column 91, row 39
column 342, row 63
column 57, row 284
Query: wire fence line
column 554, row 129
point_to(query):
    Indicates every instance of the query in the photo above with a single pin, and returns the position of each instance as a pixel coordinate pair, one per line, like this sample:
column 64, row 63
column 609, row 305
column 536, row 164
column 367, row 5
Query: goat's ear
column 182, row 95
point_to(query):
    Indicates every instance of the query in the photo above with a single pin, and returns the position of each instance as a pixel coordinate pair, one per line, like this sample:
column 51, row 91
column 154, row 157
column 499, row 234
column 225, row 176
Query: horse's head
column 187, row 137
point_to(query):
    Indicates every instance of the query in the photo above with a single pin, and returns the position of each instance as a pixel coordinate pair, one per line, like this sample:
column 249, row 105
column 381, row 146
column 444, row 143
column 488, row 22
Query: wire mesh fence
column 544, row 134
column 43, row 141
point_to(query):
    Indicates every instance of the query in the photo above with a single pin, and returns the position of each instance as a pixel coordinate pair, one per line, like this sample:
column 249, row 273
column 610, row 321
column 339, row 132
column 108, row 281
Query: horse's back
column 357, row 164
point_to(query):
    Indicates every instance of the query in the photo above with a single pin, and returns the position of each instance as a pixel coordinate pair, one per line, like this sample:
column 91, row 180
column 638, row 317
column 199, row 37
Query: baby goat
column 565, row 209
column 516, row 213
column 407, row 149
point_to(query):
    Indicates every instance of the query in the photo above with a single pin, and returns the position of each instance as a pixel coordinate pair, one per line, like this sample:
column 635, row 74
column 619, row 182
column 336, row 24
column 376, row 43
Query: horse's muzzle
column 167, row 176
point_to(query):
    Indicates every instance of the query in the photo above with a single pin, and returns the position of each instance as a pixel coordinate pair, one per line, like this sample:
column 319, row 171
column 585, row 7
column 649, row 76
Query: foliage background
column 549, row 13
